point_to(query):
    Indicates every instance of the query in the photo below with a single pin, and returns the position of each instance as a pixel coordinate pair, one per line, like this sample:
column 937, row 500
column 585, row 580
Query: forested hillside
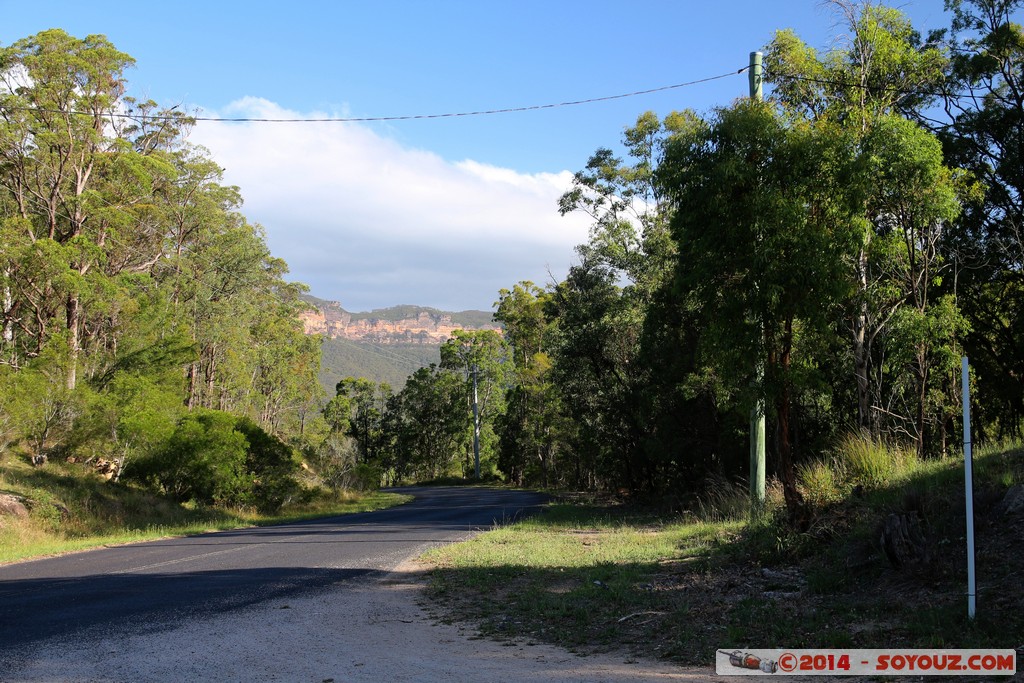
column 144, row 320
column 384, row 345
column 824, row 257
column 389, row 364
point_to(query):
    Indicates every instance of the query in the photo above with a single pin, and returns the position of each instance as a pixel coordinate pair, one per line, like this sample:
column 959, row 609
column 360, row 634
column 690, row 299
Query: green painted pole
column 756, row 76
column 757, row 457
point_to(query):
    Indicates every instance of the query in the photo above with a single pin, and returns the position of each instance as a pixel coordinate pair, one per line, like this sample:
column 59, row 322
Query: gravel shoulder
column 370, row 629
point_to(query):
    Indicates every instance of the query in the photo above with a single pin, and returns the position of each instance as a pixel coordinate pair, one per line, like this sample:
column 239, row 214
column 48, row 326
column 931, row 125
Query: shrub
column 366, row 477
column 334, row 460
column 215, row 458
column 271, row 464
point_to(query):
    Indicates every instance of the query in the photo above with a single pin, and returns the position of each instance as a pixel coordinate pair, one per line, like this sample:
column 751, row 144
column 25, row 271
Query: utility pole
column 972, row 588
column 757, row 466
column 476, row 425
column 756, row 76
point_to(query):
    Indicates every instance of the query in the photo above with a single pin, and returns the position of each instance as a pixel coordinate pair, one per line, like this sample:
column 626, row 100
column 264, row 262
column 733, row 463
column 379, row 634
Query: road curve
column 329, row 601
column 159, row 584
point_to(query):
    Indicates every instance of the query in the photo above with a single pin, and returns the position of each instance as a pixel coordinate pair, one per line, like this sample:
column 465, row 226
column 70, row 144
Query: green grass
column 72, row 510
column 580, row 576
column 593, row 577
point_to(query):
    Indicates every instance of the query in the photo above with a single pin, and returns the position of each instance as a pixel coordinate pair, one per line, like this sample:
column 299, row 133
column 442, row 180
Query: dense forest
column 828, row 254
column 825, row 256
column 145, row 322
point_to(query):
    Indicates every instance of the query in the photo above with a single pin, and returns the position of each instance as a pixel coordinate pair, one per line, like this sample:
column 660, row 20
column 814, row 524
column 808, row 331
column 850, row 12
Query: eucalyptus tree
column 982, row 131
column 125, row 264
column 427, row 422
column 72, row 181
column 863, row 90
column 533, row 427
column 762, row 235
column 357, row 409
column 602, row 306
column 481, row 359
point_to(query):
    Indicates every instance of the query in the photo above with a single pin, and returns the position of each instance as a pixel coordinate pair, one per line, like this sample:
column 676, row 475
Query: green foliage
column 357, row 411
column 215, row 458
column 902, row 198
column 821, row 482
column 42, row 402
column 204, row 460
column 482, row 357
column 366, row 477
column 426, row 422
column 868, row 462
column 271, row 464
column 132, row 290
column 982, row 135
column 774, row 269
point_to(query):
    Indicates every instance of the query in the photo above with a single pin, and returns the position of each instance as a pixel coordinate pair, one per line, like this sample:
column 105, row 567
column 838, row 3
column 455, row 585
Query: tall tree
column 982, row 131
column 481, row 357
column 532, row 430
column 861, row 90
column 125, row 264
column 772, row 266
column 601, row 307
column 57, row 142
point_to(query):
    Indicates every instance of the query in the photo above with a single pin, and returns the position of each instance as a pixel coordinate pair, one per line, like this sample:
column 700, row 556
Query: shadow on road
column 151, row 601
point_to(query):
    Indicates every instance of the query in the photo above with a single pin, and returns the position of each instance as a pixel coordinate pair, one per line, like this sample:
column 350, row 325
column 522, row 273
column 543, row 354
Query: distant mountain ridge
column 395, row 325
column 386, row 344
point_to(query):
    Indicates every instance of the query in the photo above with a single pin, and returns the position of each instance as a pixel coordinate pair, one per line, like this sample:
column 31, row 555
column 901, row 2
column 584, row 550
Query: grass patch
column 70, row 510
column 606, row 577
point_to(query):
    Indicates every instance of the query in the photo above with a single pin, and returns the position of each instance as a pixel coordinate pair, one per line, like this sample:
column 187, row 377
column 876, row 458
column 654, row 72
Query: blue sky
column 438, row 212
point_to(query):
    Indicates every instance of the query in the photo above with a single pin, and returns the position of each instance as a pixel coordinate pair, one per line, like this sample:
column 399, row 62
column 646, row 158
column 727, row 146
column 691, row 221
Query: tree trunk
column 861, row 356
column 787, row 472
column 922, row 398
column 193, row 372
column 8, row 310
column 74, row 315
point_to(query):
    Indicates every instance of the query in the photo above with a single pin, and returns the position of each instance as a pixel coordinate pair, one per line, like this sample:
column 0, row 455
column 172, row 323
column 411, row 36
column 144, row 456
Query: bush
column 271, row 464
column 215, row 458
column 334, row 460
column 366, row 477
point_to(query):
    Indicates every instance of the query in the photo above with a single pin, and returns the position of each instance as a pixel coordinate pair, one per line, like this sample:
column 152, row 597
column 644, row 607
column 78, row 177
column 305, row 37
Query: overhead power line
column 488, row 112
column 407, row 117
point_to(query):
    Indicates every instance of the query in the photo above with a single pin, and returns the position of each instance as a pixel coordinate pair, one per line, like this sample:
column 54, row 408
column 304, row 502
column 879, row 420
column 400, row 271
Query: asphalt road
column 157, row 586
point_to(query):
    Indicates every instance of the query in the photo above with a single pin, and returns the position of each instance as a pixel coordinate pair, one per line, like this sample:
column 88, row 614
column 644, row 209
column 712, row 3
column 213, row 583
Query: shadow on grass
column 765, row 586
column 81, row 506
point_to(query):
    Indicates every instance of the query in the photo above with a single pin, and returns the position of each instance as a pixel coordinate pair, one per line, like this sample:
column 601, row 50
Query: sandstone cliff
column 397, row 325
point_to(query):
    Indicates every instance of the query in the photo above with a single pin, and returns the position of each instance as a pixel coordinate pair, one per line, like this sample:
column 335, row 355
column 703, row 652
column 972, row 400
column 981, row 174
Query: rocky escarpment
column 398, row 325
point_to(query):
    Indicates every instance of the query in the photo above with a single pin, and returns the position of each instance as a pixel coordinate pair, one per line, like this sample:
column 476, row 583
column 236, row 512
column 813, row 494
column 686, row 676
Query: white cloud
column 371, row 223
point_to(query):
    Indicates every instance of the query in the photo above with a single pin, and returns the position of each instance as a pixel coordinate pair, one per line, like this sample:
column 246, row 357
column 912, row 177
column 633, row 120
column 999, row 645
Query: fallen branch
column 637, row 614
